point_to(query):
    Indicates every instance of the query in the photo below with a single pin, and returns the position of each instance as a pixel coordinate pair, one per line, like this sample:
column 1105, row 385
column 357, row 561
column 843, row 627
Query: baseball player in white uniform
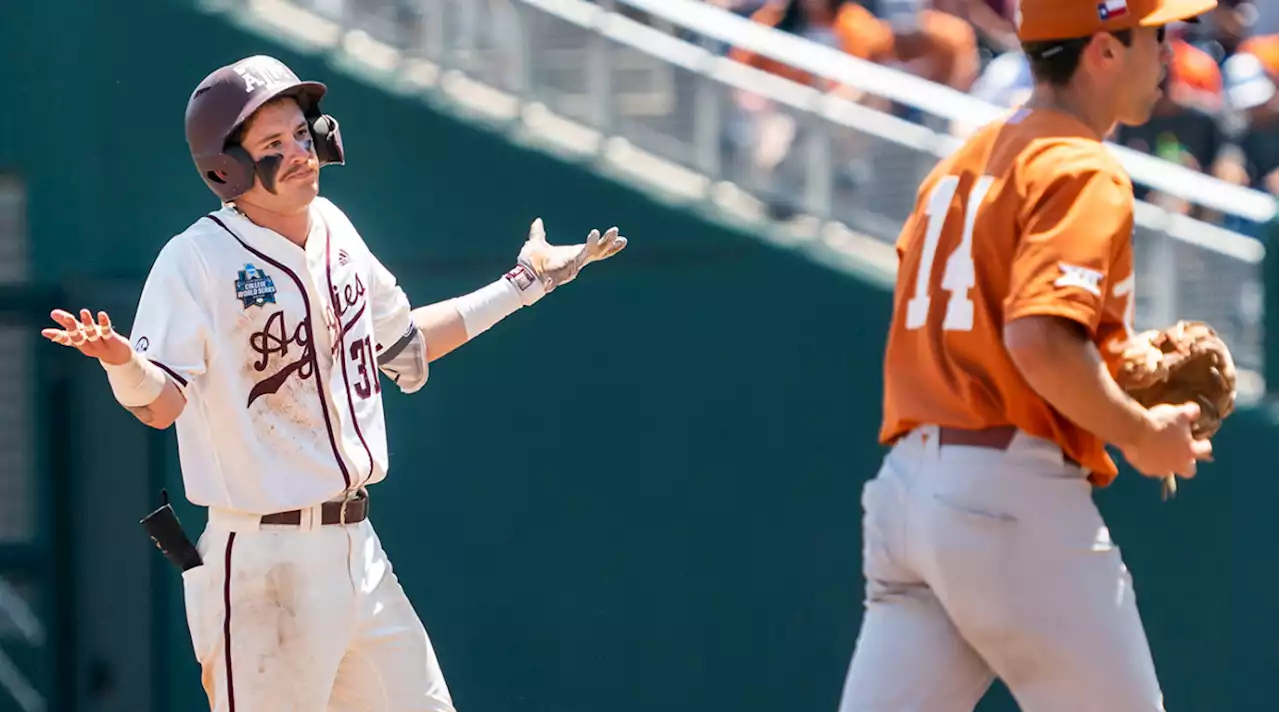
column 261, row 332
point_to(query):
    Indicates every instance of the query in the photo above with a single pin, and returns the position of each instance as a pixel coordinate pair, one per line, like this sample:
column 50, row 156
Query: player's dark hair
column 237, row 136
column 1054, row 62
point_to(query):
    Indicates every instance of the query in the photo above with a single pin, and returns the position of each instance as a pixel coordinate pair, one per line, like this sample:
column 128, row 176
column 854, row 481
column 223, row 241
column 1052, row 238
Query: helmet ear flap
column 229, row 174
column 328, row 139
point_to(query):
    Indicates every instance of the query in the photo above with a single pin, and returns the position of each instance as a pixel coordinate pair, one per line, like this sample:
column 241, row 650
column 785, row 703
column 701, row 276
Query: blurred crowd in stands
column 1218, row 114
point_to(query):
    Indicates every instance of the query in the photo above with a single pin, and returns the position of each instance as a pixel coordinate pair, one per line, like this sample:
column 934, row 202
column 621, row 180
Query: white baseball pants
column 306, row 619
column 982, row 562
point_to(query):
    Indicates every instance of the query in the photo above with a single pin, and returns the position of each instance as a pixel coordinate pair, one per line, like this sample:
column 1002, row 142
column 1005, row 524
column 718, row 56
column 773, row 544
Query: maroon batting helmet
column 226, row 98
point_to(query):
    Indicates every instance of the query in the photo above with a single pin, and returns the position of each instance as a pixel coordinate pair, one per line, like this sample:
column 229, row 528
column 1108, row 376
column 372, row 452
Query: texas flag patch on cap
column 1111, row 9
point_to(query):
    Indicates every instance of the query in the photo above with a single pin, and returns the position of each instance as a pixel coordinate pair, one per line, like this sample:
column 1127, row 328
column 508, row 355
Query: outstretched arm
column 540, row 268
column 139, row 385
column 440, row 328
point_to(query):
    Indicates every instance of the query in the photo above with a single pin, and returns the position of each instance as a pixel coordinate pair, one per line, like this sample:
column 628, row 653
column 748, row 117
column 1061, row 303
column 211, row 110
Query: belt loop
column 1019, row 441
column 307, row 519
column 234, row 521
column 931, row 439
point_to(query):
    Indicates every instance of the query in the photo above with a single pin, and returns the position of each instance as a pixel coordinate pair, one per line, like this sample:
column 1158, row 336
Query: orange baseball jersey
column 1031, row 215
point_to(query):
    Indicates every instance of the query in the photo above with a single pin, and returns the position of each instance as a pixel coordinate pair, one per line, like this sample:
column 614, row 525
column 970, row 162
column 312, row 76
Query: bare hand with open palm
column 95, row 339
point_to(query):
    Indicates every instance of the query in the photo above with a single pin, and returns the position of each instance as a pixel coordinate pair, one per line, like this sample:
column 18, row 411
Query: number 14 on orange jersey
column 959, row 275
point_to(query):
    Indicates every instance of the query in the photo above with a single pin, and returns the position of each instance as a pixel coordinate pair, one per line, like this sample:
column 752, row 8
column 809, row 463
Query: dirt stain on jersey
column 295, row 405
column 266, row 610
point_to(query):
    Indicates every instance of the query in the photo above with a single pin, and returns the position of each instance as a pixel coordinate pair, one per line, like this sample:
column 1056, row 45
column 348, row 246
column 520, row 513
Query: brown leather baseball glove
column 1186, row 362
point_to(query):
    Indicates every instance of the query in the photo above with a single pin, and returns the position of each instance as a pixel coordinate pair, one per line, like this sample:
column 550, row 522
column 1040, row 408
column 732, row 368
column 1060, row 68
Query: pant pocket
column 201, row 606
column 975, row 512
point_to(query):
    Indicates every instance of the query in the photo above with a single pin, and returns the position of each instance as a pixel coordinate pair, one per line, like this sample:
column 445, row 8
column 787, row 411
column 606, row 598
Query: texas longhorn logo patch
column 254, row 287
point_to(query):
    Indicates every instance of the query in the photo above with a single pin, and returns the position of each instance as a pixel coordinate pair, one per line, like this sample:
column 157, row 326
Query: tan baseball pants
column 306, row 619
column 982, row 562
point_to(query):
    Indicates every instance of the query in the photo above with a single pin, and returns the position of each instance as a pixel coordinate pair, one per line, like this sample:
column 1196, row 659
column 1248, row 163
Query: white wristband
column 490, row 304
column 137, row 382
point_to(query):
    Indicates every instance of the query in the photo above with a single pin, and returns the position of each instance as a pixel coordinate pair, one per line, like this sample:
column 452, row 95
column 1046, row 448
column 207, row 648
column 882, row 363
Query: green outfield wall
column 641, row 494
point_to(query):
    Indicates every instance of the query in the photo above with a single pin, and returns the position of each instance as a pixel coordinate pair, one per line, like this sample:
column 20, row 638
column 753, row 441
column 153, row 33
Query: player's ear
column 1097, row 48
column 1101, row 51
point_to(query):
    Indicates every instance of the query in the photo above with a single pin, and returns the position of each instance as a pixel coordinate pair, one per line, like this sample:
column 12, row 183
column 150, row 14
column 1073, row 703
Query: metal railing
column 644, row 86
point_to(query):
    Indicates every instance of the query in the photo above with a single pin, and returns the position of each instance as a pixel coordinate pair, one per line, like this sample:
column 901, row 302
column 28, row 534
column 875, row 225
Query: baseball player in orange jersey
column 984, row 552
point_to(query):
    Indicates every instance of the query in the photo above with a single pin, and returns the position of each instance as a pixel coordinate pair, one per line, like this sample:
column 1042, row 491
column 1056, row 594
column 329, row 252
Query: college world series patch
column 254, row 287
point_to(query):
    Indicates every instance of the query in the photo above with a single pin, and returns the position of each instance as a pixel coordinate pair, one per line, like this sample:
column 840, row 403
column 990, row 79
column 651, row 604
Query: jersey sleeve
column 389, row 306
column 1075, row 219
column 402, row 354
column 171, row 327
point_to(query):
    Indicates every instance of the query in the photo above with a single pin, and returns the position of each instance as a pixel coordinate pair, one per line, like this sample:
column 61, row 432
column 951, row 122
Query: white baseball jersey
column 275, row 348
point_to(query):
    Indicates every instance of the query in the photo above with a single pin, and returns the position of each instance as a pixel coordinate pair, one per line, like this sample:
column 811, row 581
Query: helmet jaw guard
column 226, row 99
column 328, row 140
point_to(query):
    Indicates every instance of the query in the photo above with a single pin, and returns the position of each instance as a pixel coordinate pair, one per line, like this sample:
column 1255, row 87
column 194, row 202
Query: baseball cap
column 1194, row 78
column 1247, row 82
column 1041, row 20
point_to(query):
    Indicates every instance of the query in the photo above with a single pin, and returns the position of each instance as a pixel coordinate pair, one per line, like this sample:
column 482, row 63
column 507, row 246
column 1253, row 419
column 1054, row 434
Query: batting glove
column 554, row 265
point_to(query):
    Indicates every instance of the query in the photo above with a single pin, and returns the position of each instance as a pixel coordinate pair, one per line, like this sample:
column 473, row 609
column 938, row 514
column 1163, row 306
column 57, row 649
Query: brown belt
column 998, row 437
column 349, row 511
